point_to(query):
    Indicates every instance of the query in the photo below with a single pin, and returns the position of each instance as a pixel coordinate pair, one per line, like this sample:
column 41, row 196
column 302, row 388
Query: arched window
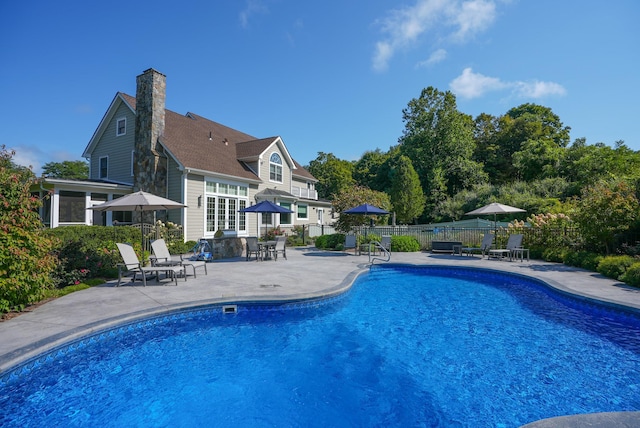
column 275, row 168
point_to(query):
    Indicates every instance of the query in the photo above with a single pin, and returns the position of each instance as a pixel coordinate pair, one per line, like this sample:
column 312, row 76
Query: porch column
column 55, row 208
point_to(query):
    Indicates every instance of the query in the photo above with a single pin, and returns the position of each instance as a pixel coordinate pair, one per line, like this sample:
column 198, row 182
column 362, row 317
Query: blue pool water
column 406, row 346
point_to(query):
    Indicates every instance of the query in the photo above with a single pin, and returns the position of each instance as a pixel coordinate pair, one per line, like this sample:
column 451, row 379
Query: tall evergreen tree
column 407, row 197
column 439, row 141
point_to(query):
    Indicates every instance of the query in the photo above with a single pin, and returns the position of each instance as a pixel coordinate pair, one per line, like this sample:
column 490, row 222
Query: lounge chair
column 133, row 266
column 514, row 242
column 253, row 248
column 162, row 257
column 485, row 246
column 280, row 247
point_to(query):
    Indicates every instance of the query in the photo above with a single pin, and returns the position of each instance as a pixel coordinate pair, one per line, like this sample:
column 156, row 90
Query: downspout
column 183, row 211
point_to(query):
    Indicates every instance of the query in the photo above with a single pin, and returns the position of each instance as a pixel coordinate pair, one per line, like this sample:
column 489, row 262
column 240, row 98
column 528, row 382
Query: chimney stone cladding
column 150, row 164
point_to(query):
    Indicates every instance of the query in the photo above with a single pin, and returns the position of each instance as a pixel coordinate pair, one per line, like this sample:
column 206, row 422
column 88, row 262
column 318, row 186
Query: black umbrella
column 266, row 207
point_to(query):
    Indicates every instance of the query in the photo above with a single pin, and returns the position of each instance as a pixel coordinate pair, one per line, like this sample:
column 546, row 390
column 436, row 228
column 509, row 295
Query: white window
column 104, row 166
column 275, row 168
column 121, row 126
column 223, row 201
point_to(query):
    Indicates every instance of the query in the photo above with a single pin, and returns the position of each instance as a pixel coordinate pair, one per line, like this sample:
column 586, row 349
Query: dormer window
column 275, row 168
column 121, row 127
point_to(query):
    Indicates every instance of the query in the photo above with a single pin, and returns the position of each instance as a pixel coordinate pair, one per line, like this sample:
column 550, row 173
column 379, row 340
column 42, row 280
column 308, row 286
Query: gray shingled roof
column 202, row 144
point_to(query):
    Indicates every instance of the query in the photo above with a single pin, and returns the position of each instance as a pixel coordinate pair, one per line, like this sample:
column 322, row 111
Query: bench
column 445, row 246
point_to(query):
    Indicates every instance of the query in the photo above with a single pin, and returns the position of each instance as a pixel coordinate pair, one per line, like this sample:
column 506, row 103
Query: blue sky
column 330, row 76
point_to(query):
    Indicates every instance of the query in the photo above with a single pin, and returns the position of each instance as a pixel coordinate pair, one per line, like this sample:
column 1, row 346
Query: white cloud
column 537, row 89
column 384, row 51
column 29, row 156
column 472, row 17
column 436, row 57
column 252, row 7
column 473, row 85
column 35, row 157
column 402, row 28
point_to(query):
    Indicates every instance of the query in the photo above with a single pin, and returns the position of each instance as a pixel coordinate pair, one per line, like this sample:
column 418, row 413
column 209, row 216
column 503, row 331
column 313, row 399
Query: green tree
column 66, row 169
column 333, row 174
column 357, row 195
column 26, row 260
column 605, row 210
column 439, row 141
column 538, row 159
column 369, row 171
column 407, row 197
column 526, row 143
column 586, row 164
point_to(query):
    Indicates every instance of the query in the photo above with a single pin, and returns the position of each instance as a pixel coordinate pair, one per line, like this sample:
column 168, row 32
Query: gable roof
column 204, row 145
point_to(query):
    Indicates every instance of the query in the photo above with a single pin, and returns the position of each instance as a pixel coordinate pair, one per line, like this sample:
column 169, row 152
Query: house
column 213, row 169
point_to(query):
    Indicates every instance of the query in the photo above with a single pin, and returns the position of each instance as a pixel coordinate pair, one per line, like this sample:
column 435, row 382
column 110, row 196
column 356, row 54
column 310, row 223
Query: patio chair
column 280, row 247
column 133, row 266
column 485, row 246
column 162, row 257
column 386, row 242
column 350, row 242
column 514, row 242
column 253, row 248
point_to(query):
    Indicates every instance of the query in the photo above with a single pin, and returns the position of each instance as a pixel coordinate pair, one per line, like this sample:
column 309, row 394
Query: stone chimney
column 149, row 162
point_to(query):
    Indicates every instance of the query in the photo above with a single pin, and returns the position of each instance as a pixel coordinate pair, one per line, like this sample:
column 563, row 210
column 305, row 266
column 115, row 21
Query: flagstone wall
column 150, row 163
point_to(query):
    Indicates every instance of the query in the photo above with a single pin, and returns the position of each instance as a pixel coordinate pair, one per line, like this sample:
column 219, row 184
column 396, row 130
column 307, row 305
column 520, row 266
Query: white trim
column 214, row 175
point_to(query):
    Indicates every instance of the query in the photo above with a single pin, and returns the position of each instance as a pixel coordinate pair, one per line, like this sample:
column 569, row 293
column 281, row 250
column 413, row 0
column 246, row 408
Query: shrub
column 553, row 255
column 583, row 259
column 632, row 275
column 26, row 258
column 91, row 248
column 328, row 242
column 369, row 237
column 404, row 244
column 615, row 266
column 272, row 233
column 178, row 247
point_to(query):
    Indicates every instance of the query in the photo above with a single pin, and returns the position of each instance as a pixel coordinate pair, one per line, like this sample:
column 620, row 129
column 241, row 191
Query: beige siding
column 195, row 214
column 118, row 149
column 286, row 171
column 174, row 191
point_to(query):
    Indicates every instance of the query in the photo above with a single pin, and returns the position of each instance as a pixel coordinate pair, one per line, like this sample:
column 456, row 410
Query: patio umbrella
column 495, row 209
column 266, row 207
column 366, row 209
column 139, row 201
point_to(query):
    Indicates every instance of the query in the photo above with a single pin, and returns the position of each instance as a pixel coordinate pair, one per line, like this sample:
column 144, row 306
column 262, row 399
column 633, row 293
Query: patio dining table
column 265, row 248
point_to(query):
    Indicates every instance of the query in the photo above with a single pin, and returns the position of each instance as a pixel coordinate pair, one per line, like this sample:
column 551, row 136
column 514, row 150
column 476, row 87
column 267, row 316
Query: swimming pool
column 406, row 346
